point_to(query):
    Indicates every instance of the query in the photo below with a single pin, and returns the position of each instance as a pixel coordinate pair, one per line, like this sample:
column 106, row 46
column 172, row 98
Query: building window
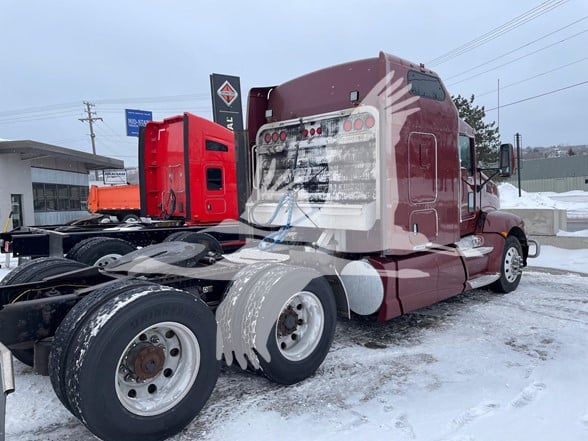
column 63, row 197
column 51, row 197
column 214, row 179
column 59, row 197
column 425, row 85
column 39, row 203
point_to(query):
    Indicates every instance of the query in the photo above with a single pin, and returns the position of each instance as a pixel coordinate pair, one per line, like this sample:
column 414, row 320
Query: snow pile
column 509, row 198
column 575, row 203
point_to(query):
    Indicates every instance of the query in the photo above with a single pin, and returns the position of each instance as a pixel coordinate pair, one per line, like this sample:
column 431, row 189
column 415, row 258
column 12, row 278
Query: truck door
column 217, row 168
column 423, row 187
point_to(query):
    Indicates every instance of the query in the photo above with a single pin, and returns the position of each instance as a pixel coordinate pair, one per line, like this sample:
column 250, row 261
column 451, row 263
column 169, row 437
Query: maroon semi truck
column 366, row 199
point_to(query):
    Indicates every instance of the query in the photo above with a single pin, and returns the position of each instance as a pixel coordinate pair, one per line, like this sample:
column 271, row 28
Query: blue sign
column 136, row 119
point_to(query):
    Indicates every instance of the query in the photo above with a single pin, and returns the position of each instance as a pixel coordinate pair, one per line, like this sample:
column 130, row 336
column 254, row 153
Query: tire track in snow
column 473, row 413
column 528, row 395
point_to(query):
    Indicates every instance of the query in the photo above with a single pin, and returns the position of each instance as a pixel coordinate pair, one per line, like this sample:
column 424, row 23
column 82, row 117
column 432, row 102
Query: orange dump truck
column 121, row 201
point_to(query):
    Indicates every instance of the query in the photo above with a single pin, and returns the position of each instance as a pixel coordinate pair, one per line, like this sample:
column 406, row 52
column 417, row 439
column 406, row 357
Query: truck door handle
column 209, row 207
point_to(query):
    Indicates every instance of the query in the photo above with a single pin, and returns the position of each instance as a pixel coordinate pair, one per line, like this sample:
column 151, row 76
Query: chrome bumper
column 6, row 384
column 537, row 248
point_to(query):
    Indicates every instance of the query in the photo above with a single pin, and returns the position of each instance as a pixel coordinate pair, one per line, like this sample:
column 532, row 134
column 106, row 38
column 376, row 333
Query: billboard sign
column 226, row 101
column 136, row 119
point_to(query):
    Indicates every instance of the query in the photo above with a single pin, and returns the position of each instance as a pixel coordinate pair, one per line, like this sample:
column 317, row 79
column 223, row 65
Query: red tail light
column 312, row 132
column 358, row 124
column 319, row 130
column 347, row 125
column 275, row 136
column 283, row 136
column 370, row 121
column 267, row 138
column 305, row 133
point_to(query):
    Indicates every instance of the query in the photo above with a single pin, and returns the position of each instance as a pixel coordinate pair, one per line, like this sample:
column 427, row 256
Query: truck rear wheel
column 142, row 364
column 67, row 330
column 304, row 325
column 288, row 322
column 35, row 271
column 511, row 268
column 99, row 251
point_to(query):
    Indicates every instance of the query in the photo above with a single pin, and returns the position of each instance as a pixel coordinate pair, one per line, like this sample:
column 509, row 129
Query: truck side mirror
column 507, row 164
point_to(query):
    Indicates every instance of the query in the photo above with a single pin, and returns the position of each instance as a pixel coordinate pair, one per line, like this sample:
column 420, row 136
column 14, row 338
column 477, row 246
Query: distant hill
column 554, row 151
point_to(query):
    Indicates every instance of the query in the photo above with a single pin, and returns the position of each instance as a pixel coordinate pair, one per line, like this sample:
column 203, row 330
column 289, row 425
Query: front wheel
column 511, row 268
column 143, row 364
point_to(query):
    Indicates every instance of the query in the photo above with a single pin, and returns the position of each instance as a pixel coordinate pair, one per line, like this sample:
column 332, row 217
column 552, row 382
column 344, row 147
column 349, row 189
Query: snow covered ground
column 477, row 367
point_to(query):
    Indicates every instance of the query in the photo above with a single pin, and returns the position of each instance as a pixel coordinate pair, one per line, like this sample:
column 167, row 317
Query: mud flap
column 6, row 384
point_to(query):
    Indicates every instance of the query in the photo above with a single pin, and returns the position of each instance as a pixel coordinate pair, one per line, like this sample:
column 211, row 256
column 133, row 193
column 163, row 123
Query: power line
column 126, row 101
column 38, row 109
column 538, row 96
column 183, row 97
column 516, row 22
column 519, row 58
column 532, row 77
column 517, row 49
column 21, row 119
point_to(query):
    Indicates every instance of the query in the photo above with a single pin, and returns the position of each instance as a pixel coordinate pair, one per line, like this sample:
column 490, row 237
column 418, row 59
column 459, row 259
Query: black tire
column 285, row 343
column 510, row 267
column 68, row 328
column 122, row 328
column 205, row 239
column 99, row 251
column 35, row 271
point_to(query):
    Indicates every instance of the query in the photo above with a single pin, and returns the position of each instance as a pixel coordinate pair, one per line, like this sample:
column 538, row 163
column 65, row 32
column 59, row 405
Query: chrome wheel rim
column 300, row 326
column 512, row 264
column 157, row 369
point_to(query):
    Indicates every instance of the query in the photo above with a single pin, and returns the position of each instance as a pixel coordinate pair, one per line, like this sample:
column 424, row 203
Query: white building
column 44, row 184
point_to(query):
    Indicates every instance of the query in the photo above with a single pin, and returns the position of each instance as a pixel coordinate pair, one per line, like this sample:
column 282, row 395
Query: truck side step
column 483, row 280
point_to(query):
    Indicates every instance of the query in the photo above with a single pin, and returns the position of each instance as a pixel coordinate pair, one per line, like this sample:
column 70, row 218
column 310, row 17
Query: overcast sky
column 157, row 55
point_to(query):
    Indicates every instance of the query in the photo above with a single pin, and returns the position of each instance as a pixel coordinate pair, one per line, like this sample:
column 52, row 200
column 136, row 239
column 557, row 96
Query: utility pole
column 518, row 138
column 498, row 104
column 91, row 120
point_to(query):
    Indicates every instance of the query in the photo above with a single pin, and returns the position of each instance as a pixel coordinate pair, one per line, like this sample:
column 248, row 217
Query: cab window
column 465, row 154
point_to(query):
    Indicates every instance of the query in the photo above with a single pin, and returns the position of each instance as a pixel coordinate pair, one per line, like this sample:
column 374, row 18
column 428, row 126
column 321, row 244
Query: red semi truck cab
column 188, row 170
column 372, row 158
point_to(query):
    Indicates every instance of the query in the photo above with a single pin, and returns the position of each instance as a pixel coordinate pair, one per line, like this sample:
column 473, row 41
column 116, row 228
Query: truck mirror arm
column 495, row 171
